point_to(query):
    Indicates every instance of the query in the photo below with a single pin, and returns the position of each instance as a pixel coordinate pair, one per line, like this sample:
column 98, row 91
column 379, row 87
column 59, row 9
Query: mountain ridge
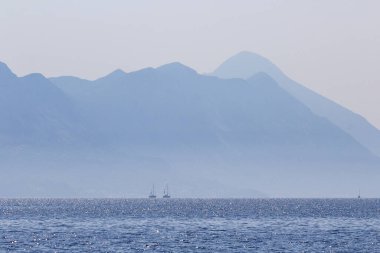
column 124, row 131
column 245, row 64
column 6, row 72
column 144, row 83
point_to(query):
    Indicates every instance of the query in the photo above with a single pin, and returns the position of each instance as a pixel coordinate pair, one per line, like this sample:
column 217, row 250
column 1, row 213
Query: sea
column 190, row 225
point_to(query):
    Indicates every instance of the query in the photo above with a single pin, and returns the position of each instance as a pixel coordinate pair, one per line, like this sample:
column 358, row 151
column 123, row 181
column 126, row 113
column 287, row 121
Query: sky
column 330, row 46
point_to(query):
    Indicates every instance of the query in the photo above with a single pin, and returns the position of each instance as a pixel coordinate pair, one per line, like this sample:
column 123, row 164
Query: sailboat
column 152, row 194
column 359, row 197
column 166, row 193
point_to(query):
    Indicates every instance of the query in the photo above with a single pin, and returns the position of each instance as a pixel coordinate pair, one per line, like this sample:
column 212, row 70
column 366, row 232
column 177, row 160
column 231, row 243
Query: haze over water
column 253, row 124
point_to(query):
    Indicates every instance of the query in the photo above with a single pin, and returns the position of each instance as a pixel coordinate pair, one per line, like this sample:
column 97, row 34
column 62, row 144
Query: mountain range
column 245, row 130
column 246, row 64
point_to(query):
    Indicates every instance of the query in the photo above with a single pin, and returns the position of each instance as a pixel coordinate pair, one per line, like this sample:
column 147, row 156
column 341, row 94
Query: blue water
column 190, row 225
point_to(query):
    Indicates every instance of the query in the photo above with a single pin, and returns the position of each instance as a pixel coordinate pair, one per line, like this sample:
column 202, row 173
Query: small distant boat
column 166, row 193
column 152, row 194
column 359, row 197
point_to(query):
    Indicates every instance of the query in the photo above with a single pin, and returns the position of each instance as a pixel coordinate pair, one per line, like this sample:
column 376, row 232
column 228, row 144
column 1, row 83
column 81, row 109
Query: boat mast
column 152, row 194
column 166, row 192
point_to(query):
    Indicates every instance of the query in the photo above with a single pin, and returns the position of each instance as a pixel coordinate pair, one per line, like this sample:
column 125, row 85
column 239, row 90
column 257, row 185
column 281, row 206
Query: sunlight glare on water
column 190, row 225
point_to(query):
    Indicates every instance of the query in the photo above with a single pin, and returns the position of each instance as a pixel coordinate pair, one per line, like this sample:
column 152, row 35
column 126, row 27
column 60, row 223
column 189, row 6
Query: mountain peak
column 176, row 68
column 264, row 80
column 5, row 72
column 262, row 77
column 117, row 73
column 245, row 53
column 244, row 65
column 35, row 77
column 114, row 75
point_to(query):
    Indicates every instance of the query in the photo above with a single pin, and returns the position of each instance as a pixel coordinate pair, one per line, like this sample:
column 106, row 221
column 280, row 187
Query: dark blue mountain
column 173, row 109
column 246, row 64
column 34, row 112
column 206, row 136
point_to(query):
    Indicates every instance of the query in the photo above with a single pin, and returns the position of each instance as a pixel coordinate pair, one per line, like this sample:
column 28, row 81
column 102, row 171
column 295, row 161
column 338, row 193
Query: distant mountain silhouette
column 67, row 136
column 173, row 108
column 33, row 111
column 5, row 73
column 246, row 64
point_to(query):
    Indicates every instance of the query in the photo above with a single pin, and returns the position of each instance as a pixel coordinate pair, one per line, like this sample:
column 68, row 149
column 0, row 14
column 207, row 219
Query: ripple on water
column 231, row 225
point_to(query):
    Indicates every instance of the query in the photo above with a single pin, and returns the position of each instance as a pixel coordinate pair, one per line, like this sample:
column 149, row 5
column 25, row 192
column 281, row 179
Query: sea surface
column 190, row 225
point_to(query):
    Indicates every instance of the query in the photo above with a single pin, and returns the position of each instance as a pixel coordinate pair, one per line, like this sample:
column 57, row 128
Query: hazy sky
column 331, row 46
